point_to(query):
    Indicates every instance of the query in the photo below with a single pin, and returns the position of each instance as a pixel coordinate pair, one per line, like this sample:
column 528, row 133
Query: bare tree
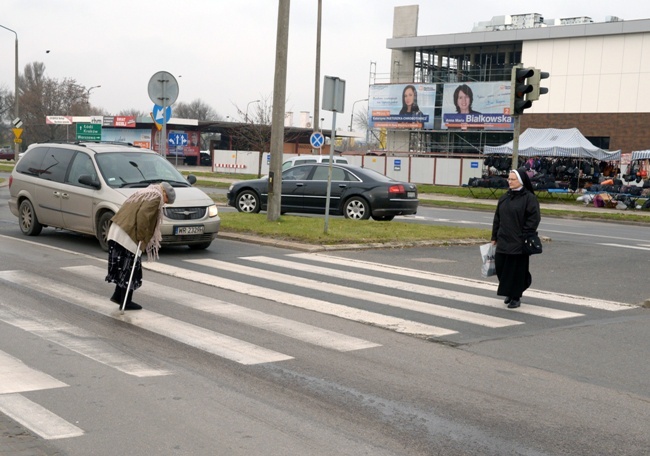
column 132, row 112
column 196, row 109
column 41, row 96
column 255, row 133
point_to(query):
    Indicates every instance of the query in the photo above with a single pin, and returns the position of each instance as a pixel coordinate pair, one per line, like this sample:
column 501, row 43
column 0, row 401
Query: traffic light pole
column 515, row 142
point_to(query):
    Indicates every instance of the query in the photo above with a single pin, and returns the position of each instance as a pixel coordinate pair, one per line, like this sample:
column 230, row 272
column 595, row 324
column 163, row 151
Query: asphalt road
column 252, row 349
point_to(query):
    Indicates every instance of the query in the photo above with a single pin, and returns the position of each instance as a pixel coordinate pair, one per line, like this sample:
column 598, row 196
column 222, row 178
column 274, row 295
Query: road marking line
column 378, row 298
column 36, row 418
column 410, row 287
column 407, row 272
column 194, row 336
column 289, row 328
column 78, row 340
column 16, row 377
column 383, row 321
column 637, row 247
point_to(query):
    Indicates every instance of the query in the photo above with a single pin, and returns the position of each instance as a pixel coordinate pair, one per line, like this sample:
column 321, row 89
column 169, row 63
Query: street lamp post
column 16, row 104
column 352, row 115
column 88, row 92
column 249, row 103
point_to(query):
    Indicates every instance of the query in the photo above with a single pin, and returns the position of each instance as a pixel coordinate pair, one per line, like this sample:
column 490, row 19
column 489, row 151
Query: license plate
column 410, row 194
column 185, row 230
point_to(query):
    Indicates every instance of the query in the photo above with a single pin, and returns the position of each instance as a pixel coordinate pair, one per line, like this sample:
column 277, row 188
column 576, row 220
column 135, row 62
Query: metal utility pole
column 16, row 102
column 515, row 142
column 315, row 126
column 277, row 127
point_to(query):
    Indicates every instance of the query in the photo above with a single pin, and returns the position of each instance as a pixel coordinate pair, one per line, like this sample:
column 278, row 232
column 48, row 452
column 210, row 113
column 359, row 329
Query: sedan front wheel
column 356, row 208
column 248, row 201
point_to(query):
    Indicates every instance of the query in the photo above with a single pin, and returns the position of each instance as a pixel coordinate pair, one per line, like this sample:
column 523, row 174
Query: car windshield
column 136, row 169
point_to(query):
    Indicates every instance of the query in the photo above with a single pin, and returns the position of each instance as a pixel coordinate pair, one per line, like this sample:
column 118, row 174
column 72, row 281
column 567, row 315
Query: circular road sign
column 163, row 89
column 317, row 140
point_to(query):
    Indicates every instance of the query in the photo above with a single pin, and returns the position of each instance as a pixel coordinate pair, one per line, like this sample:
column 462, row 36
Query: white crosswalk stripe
column 293, row 329
column 379, row 298
column 37, row 418
column 441, row 293
column 15, row 378
column 479, row 284
column 192, row 335
column 317, row 305
column 75, row 339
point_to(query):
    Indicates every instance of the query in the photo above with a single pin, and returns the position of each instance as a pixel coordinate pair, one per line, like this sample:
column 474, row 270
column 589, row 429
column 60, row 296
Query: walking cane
column 126, row 294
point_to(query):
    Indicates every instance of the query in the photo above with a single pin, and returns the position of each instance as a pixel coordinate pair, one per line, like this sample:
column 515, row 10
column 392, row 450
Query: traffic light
column 535, row 80
column 519, row 89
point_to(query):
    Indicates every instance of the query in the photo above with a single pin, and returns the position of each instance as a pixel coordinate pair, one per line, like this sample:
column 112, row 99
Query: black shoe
column 514, row 304
column 507, row 300
column 118, row 295
column 132, row 306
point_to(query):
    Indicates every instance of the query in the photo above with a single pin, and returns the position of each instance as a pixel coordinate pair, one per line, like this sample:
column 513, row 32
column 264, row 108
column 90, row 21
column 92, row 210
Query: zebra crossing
column 384, row 296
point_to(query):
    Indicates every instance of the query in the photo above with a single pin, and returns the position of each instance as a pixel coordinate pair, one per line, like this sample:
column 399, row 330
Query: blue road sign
column 158, row 114
column 317, row 140
column 177, row 139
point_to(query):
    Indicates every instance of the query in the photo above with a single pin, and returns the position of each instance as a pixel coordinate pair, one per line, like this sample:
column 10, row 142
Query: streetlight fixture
column 249, row 103
column 352, row 115
column 91, row 88
column 16, row 104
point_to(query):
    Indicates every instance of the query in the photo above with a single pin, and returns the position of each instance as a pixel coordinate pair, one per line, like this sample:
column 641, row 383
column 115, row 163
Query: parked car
column 79, row 187
column 305, row 159
column 356, row 193
column 7, row 153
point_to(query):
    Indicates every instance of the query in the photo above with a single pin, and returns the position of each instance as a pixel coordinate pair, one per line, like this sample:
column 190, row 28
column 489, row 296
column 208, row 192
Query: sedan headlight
column 213, row 211
column 230, row 188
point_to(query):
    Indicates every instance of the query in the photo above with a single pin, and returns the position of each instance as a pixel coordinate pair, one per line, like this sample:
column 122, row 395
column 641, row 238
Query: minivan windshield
column 136, row 169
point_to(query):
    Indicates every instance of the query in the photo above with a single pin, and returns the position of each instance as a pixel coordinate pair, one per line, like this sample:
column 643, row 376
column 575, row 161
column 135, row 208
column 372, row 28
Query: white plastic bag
column 488, row 268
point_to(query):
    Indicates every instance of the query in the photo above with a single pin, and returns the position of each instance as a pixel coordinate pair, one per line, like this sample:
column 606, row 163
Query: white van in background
column 304, row 159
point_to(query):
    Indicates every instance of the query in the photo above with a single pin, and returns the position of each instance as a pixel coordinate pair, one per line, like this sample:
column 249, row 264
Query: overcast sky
column 223, row 51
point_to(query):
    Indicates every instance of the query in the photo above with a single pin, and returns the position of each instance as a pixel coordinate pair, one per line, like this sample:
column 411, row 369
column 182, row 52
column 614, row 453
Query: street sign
column 17, row 122
column 177, row 139
column 17, row 132
column 317, row 140
column 58, row 120
column 89, row 132
column 158, row 115
column 163, row 89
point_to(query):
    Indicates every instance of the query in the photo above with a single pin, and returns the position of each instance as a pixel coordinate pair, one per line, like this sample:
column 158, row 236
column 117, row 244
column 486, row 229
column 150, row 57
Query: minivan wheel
column 27, row 219
column 248, row 201
column 103, row 224
column 356, row 208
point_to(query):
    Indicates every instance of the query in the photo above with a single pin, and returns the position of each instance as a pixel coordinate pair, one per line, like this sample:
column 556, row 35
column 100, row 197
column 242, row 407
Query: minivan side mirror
column 86, row 179
column 191, row 178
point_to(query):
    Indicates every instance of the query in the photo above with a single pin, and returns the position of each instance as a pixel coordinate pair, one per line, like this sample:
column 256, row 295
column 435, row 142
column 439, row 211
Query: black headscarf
column 525, row 180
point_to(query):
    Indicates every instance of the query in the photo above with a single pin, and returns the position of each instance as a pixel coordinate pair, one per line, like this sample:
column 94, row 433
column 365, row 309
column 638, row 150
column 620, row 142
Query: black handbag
column 532, row 245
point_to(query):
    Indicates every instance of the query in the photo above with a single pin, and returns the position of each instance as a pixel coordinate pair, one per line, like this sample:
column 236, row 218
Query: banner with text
column 402, row 106
column 477, row 105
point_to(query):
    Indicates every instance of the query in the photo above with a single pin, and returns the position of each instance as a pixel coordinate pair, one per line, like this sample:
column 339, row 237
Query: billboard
column 401, row 106
column 477, row 105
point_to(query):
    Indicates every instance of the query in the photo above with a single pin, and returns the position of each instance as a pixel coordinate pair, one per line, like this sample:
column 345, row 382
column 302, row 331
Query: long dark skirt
column 120, row 263
column 513, row 274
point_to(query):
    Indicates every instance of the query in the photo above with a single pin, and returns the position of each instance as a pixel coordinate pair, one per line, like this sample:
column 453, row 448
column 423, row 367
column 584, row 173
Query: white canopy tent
column 555, row 142
column 641, row 155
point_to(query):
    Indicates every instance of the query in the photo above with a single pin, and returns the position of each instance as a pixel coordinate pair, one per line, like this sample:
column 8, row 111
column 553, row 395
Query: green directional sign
column 89, row 132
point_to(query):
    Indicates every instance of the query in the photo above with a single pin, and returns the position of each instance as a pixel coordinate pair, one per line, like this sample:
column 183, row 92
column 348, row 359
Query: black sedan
column 356, row 193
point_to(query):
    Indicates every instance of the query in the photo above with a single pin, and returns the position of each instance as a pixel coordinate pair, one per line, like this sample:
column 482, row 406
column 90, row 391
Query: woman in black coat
column 517, row 216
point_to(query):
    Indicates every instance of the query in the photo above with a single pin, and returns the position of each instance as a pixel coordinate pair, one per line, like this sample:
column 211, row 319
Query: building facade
column 598, row 77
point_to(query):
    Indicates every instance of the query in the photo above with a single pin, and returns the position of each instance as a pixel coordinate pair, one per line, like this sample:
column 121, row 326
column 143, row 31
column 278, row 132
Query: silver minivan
column 80, row 186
